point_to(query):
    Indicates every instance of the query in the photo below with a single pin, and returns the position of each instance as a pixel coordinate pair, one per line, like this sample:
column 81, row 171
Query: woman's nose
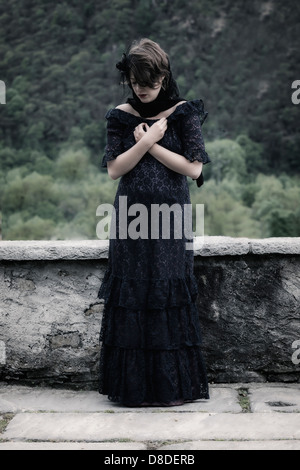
column 139, row 87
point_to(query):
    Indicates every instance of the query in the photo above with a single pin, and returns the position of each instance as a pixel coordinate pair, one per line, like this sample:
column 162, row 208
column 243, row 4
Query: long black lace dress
column 150, row 330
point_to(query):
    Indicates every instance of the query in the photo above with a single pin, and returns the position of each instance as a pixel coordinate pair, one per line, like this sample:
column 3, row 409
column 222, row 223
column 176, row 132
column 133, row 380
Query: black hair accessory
column 123, row 64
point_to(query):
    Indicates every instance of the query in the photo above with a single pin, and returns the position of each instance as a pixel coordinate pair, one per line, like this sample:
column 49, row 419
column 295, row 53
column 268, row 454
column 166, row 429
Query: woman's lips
column 142, row 96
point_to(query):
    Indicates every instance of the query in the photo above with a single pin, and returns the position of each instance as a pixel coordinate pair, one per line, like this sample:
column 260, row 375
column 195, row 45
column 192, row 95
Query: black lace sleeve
column 114, row 142
column 192, row 139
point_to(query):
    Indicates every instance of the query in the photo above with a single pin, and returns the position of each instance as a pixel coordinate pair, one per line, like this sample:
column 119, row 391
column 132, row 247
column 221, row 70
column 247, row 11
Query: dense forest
column 57, row 60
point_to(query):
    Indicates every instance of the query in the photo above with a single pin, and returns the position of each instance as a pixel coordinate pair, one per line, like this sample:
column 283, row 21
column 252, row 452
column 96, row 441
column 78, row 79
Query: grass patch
column 244, row 400
column 5, row 418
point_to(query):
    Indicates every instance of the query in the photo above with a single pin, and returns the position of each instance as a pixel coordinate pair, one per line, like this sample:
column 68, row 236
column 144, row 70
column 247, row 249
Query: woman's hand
column 140, row 131
column 153, row 133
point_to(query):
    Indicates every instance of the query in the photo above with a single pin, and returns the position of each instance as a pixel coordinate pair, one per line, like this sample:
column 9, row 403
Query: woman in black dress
column 150, row 329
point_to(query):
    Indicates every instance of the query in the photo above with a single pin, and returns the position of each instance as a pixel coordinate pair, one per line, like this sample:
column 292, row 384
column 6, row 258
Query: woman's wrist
column 148, row 141
column 154, row 147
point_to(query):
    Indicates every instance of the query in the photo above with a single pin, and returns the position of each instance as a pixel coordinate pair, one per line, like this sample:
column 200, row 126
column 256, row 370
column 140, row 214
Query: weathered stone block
column 51, row 332
column 250, row 315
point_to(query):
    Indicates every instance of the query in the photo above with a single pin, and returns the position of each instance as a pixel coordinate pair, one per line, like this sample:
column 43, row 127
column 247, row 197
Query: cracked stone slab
column 280, row 398
column 94, row 427
column 233, row 445
column 21, row 398
column 127, row 446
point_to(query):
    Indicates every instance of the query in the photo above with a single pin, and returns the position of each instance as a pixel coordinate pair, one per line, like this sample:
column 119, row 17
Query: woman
column 150, row 329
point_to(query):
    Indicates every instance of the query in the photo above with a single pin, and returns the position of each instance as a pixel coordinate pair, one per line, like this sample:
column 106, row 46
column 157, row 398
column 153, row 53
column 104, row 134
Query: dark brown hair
column 146, row 62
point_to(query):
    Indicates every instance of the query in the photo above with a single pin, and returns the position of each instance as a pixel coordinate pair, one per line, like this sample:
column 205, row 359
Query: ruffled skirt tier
column 151, row 343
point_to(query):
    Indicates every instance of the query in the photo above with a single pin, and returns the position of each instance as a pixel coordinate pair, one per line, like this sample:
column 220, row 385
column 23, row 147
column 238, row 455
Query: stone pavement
column 237, row 417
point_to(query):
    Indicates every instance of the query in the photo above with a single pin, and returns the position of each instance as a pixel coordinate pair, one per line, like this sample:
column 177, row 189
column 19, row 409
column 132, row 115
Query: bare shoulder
column 180, row 102
column 171, row 110
column 123, row 107
column 127, row 108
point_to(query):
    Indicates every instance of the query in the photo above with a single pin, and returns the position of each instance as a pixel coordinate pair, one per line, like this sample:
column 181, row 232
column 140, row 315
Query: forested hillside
column 57, row 60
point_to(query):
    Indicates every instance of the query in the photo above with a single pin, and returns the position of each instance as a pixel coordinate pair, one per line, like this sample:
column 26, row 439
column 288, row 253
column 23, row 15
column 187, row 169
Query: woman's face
column 145, row 93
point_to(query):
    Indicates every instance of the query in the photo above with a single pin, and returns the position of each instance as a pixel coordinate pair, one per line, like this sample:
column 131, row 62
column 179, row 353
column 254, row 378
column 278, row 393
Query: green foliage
column 72, row 165
column 228, row 160
column 265, row 207
column 277, row 206
column 58, row 59
column 36, row 228
column 224, row 213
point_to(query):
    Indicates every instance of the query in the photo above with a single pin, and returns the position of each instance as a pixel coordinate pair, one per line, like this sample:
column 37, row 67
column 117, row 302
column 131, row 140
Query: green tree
column 73, row 165
column 253, row 152
column 228, row 160
column 35, row 228
column 224, row 212
column 277, row 206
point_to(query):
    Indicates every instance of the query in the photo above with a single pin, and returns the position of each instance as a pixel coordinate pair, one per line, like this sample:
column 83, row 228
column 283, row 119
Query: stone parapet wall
column 249, row 307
